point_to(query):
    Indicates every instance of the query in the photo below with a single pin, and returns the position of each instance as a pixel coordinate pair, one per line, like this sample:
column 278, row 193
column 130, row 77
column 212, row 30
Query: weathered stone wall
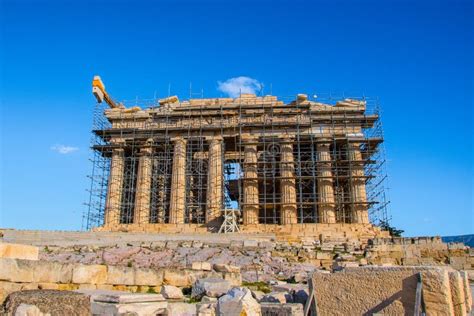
column 389, row 290
column 17, row 274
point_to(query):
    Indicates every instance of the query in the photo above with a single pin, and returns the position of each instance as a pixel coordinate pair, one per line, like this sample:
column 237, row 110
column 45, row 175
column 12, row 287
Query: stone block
column 177, row 278
column 171, row 292
column 467, row 290
column 212, row 287
column 437, row 292
column 137, row 309
column 206, row 309
column 18, row 251
column 320, row 255
column 48, row 286
column 457, row 293
column 150, row 277
column 250, row 244
column 277, row 297
column 52, row 272
column 238, row 301
column 203, row 266
column 226, row 268
column 14, row 270
column 181, row 309
column 120, row 275
column 89, row 274
column 234, row 278
column 6, row 288
column 289, row 309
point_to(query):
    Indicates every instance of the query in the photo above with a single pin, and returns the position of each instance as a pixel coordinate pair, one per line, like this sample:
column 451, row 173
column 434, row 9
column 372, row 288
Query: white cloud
column 63, row 149
column 234, row 86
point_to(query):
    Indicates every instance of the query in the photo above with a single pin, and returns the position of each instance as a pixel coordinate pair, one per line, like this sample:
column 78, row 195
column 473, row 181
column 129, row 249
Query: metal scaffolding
column 300, row 145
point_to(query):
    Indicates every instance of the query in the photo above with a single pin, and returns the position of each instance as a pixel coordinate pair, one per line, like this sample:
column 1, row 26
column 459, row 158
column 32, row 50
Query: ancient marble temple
column 300, row 166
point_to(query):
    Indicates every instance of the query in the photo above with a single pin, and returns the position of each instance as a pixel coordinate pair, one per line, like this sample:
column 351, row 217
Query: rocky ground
column 256, row 265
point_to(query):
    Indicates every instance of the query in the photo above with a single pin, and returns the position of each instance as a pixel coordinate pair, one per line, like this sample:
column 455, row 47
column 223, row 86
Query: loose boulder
column 238, row 301
column 171, row 292
column 212, row 287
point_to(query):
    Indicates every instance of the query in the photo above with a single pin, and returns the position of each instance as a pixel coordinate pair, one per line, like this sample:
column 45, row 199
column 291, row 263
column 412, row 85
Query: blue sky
column 416, row 56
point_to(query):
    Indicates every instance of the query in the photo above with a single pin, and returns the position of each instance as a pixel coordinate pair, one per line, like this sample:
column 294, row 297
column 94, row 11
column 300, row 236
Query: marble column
column 250, row 198
column 288, row 208
column 178, row 182
column 143, row 190
column 359, row 210
column 114, row 190
column 326, row 205
column 214, row 182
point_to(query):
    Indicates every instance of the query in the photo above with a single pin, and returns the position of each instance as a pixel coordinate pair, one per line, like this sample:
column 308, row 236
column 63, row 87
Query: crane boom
column 98, row 89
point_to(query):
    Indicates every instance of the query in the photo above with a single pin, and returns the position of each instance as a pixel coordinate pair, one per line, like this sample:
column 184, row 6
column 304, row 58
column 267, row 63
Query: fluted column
column 287, row 185
column 114, row 189
column 326, row 205
column 214, row 181
column 143, row 191
column 251, row 201
column 178, row 182
column 359, row 209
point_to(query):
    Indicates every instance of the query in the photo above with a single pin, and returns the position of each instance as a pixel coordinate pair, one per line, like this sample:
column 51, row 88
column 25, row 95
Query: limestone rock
column 120, row 275
column 206, row 309
column 238, row 301
column 171, row 292
column 177, row 278
column 204, row 266
column 212, row 287
column 457, row 293
column 12, row 270
column 290, row 309
column 437, row 292
column 91, row 274
column 18, row 251
column 226, row 268
column 208, row 299
column 144, row 276
column 277, row 297
column 181, row 309
column 258, row 295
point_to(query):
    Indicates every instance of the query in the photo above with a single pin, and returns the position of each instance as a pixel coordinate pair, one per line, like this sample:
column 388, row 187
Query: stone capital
column 178, row 139
column 215, row 138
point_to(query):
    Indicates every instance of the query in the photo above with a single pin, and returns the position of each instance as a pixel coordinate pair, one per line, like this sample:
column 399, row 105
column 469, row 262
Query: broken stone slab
column 288, row 309
column 121, row 297
column 105, row 302
column 238, row 301
column 137, row 309
column 212, row 287
column 277, row 297
column 171, row 292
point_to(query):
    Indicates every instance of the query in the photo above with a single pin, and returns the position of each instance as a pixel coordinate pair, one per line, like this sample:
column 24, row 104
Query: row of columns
column 214, row 203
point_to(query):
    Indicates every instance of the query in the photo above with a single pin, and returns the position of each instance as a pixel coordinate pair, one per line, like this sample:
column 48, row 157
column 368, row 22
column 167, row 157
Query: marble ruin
column 248, row 164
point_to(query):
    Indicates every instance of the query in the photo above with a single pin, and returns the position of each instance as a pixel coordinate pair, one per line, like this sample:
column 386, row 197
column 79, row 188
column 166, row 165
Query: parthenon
column 268, row 164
